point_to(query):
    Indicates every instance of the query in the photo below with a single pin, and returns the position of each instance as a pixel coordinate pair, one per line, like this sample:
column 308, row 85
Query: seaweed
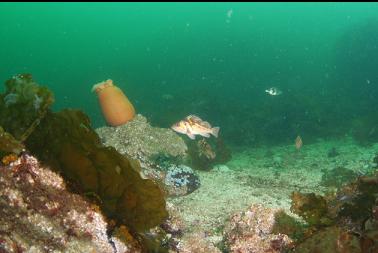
column 23, row 105
column 8, row 144
column 350, row 215
column 359, row 207
column 312, row 208
column 67, row 142
column 330, row 240
column 285, row 224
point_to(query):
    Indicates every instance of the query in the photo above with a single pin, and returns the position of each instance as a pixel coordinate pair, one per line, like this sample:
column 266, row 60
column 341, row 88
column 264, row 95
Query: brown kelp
column 8, row 144
column 66, row 141
column 23, row 105
column 345, row 221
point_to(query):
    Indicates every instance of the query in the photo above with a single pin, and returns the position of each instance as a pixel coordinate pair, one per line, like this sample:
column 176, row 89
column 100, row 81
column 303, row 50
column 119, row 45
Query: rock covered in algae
column 205, row 153
column 253, row 231
column 331, row 240
column 195, row 242
column 351, row 214
column 359, row 198
column 39, row 214
column 183, row 239
column 139, row 140
column 181, row 180
column 66, row 141
column 8, row 144
column 313, row 208
column 157, row 150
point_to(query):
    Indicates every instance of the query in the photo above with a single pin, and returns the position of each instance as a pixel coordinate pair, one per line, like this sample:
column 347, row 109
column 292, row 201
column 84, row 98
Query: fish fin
column 205, row 135
column 193, row 118
column 215, row 131
column 191, row 136
column 205, row 124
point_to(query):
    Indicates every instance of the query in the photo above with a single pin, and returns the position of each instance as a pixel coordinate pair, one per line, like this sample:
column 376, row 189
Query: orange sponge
column 115, row 106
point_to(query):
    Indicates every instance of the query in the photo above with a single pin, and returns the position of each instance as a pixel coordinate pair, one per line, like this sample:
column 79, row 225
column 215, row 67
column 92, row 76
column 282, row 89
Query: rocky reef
column 65, row 142
column 253, row 231
column 181, row 180
column 139, row 140
column 340, row 220
column 205, row 153
column 345, row 221
column 39, row 214
column 181, row 239
column 160, row 152
column 67, row 188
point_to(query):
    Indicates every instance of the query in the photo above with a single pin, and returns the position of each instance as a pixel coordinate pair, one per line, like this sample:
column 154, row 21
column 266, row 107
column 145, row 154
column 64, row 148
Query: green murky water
column 211, row 59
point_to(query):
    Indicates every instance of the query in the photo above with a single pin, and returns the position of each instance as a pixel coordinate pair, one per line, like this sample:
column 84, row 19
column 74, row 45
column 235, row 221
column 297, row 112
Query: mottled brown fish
column 194, row 125
column 298, row 142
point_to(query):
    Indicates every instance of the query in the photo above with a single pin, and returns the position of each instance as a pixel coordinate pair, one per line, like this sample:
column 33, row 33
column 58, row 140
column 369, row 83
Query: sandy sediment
column 267, row 176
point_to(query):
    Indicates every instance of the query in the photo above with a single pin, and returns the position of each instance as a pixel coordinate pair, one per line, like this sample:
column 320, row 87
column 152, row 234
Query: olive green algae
column 66, row 141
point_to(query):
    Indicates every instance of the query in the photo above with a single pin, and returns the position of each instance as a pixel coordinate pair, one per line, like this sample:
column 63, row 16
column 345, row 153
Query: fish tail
column 215, row 131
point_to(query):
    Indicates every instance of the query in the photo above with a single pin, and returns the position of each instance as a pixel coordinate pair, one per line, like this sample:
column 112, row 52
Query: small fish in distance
column 273, row 91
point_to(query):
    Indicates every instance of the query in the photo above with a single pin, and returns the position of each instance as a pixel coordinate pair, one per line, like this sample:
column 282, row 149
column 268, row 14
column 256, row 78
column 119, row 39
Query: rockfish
column 193, row 125
column 298, row 142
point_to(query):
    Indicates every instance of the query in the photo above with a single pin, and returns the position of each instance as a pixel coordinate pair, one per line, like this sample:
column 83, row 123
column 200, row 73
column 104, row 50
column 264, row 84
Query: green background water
column 210, row 59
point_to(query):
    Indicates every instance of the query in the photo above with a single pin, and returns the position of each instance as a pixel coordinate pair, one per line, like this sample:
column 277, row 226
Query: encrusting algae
column 38, row 213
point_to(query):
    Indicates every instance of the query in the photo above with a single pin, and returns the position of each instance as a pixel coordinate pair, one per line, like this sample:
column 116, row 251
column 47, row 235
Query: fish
column 298, row 142
column 205, row 149
column 273, row 91
column 193, row 125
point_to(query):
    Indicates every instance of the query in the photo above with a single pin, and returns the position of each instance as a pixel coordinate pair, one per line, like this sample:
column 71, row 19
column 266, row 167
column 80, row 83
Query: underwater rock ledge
column 65, row 142
column 39, row 214
column 158, row 150
column 139, row 140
